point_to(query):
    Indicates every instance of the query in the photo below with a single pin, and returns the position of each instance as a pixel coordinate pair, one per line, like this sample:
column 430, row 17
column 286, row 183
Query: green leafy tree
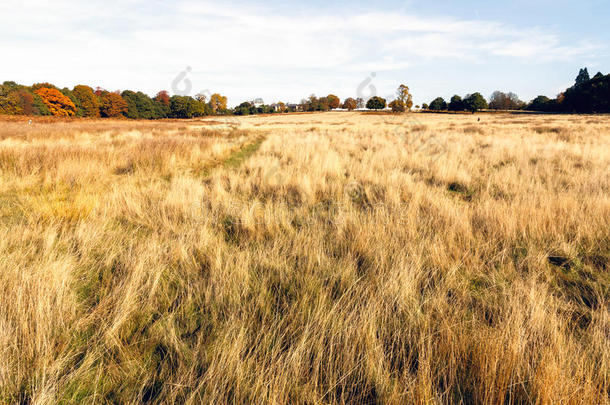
column 88, row 102
column 139, row 105
column 162, row 103
column 438, row 104
column 590, row 97
column 376, row 103
column 245, row 108
column 543, row 103
column 474, row 102
column 456, row 104
column 583, row 77
column 186, row 107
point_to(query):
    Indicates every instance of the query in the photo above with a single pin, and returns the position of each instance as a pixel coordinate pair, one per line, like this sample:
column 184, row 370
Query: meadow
column 327, row 258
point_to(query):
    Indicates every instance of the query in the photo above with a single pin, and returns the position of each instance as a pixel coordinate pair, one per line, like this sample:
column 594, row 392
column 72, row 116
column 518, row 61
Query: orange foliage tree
column 112, row 105
column 333, row 101
column 58, row 104
column 163, row 98
column 218, row 102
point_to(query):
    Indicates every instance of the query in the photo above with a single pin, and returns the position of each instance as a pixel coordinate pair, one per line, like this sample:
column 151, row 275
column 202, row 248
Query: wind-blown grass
column 362, row 261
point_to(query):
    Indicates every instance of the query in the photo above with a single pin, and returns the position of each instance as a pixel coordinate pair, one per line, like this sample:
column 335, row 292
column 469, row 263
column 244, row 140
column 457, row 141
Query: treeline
column 83, row 101
column 588, row 95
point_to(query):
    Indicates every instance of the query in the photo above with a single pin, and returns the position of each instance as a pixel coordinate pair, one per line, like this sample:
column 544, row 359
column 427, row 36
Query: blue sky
column 291, row 49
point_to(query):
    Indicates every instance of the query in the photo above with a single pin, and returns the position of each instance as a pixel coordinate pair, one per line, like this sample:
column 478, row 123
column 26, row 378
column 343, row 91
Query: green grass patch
column 240, row 156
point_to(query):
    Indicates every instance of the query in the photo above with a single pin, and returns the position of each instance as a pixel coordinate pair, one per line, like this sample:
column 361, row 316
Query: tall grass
column 373, row 259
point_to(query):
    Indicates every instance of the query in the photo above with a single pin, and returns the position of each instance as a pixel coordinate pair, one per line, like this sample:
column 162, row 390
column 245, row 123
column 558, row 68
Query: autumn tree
column 16, row 99
column 405, row 96
column 58, row 104
column 505, row 101
column 89, row 105
column 162, row 97
column 112, row 105
column 218, row 103
column 398, row 106
column 333, row 101
column 162, row 104
column 350, row 104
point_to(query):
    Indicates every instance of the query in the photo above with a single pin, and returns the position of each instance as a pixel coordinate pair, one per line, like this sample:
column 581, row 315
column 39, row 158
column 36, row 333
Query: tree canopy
column 376, row 103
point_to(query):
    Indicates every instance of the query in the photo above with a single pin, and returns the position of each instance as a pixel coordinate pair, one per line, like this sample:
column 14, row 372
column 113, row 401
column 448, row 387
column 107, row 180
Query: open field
column 312, row 258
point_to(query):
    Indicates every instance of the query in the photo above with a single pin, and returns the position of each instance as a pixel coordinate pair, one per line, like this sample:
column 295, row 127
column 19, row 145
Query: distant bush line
column 588, row 95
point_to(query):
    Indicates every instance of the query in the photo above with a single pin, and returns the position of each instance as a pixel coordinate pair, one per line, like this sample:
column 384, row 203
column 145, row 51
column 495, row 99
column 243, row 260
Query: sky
column 285, row 51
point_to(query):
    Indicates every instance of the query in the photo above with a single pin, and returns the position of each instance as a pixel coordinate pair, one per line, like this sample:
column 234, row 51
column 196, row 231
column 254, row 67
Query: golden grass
column 314, row 258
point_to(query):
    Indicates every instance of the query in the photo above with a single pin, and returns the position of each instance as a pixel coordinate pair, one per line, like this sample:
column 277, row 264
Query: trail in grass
column 238, row 156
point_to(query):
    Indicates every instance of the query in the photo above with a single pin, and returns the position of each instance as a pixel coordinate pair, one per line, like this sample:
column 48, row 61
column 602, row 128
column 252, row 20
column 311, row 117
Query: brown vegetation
column 368, row 259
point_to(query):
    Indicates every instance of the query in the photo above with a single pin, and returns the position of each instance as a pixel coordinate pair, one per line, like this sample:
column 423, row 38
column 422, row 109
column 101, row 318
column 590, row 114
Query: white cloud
column 233, row 48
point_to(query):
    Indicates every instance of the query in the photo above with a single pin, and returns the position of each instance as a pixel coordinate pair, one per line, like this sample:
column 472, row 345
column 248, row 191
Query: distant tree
column 360, row 103
column 45, row 85
column 323, row 104
column 599, row 75
column 89, row 105
column 245, row 108
column 201, row 97
column 58, row 104
column 140, row 105
column 186, row 107
column 333, row 101
column 589, row 97
column 162, row 97
column 398, row 106
column 543, row 103
column 26, row 101
column 505, row 101
column 376, row 103
column 456, row 104
column 424, row 106
column 350, row 104
column 112, row 105
column 281, row 107
column 583, row 77
column 438, row 104
column 218, row 103
column 404, row 96
column 17, row 99
column 474, row 102
column 68, row 93
column 10, row 102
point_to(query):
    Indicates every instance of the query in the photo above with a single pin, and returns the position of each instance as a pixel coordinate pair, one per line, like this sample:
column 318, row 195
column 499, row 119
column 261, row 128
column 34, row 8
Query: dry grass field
column 312, row 258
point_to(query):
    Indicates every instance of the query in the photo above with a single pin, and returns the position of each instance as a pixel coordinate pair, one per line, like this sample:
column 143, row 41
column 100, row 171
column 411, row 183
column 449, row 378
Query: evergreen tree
column 583, row 77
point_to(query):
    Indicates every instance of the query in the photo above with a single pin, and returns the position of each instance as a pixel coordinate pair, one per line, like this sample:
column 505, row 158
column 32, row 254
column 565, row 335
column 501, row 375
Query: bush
column 376, row 103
